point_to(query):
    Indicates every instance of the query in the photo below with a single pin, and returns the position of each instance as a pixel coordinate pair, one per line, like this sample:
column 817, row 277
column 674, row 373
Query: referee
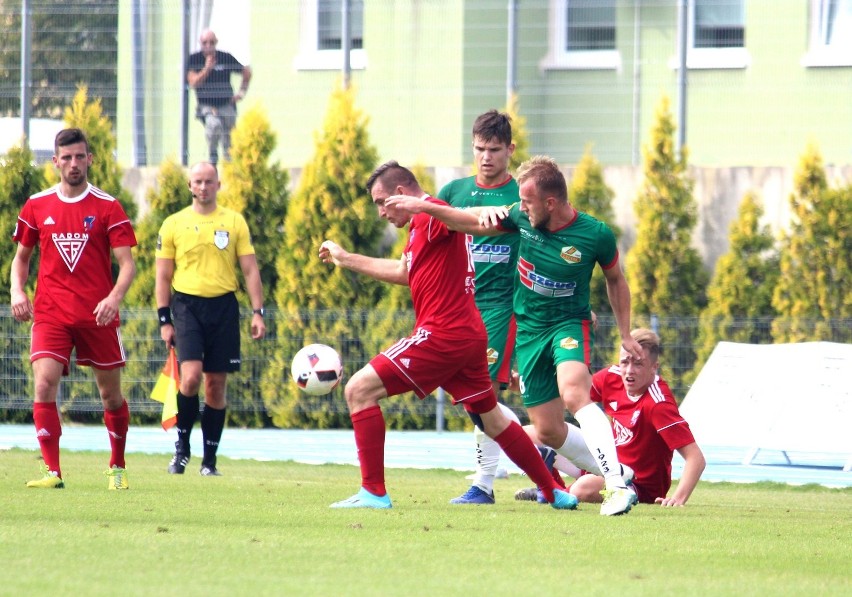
column 198, row 249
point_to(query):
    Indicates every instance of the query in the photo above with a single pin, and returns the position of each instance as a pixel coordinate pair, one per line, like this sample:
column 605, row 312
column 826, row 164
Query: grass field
column 265, row 528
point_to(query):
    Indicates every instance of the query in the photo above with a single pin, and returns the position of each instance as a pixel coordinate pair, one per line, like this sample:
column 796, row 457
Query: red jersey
column 74, row 235
column 647, row 430
column 441, row 277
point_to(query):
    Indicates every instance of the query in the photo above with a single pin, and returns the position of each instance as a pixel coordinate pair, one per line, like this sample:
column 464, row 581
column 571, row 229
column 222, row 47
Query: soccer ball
column 317, row 369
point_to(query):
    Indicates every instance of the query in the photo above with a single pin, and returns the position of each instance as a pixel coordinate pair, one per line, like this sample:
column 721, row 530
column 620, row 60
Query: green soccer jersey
column 494, row 257
column 555, row 268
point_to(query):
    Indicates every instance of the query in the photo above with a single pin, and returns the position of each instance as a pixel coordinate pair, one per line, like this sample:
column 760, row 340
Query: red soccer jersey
column 647, row 430
column 441, row 277
column 74, row 235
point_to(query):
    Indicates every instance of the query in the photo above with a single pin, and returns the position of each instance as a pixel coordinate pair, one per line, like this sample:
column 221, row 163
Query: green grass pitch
column 265, row 528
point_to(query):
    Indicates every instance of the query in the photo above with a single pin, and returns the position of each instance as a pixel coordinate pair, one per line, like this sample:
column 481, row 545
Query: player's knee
column 361, row 391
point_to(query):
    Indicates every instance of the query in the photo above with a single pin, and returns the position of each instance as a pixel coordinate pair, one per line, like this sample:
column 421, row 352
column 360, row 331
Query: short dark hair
column 392, row 175
column 493, row 125
column 69, row 137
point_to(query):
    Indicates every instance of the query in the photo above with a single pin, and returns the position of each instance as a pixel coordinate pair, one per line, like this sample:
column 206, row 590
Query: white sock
column 598, row 435
column 563, row 465
column 488, row 454
column 577, row 452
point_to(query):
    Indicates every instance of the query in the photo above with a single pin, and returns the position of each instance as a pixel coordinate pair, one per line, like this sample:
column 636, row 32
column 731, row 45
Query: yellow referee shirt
column 205, row 250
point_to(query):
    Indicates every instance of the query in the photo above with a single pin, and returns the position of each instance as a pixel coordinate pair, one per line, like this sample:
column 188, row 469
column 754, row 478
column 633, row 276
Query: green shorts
column 500, row 326
column 540, row 352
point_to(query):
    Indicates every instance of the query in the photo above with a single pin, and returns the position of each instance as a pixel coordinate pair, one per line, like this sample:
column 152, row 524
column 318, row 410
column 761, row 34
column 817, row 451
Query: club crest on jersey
column 492, row 355
column 221, row 238
column 571, row 254
column 569, row 343
column 88, row 221
column 622, row 434
column 70, row 246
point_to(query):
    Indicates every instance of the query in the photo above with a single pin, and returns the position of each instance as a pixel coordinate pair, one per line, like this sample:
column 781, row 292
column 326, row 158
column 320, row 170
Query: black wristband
column 164, row 314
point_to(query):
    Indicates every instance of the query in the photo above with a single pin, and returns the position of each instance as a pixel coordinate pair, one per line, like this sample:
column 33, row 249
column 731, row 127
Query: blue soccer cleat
column 365, row 499
column 474, row 495
column 562, row 500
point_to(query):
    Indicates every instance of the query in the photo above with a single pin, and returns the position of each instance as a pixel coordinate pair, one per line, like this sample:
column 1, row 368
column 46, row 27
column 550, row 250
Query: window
column 830, row 33
column 719, row 24
column 330, row 21
column 320, row 36
column 715, row 35
column 582, row 35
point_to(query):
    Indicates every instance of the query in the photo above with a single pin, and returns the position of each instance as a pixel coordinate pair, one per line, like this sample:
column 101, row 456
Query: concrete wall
column 718, row 192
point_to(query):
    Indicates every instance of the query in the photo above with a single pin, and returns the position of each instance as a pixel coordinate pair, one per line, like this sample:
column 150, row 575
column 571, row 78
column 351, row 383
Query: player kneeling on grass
column 447, row 347
column 647, row 427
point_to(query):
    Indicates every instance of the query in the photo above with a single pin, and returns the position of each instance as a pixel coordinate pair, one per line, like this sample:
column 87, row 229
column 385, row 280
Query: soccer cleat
column 528, row 494
column 178, row 463
column 207, row 470
column 365, row 499
column 49, row 480
column 562, row 500
column 617, row 501
column 117, row 477
column 474, row 495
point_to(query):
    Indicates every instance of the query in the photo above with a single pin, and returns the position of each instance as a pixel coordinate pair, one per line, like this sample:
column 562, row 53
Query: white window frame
column 558, row 58
column 819, row 52
column 710, row 58
column 311, row 58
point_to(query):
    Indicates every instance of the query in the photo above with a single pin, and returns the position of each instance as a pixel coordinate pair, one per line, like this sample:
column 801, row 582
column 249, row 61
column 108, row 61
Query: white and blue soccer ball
column 317, row 369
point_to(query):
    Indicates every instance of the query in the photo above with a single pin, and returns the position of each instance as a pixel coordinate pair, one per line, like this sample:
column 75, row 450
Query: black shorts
column 208, row 330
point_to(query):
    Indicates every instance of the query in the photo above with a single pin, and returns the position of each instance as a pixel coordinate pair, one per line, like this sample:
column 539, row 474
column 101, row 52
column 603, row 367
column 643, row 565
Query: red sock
column 48, row 432
column 558, row 479
column 117, row 421
column 369, row 427
column 520, row 450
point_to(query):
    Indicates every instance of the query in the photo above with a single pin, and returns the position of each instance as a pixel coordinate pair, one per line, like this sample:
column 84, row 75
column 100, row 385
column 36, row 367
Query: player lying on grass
column 647, row 426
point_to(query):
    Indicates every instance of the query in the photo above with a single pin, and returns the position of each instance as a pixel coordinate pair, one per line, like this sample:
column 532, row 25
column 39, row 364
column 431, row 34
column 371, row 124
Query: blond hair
column 545, row 173
column 648, row 340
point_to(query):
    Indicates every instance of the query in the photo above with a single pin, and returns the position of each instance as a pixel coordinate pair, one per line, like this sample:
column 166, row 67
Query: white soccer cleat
column 617, row 501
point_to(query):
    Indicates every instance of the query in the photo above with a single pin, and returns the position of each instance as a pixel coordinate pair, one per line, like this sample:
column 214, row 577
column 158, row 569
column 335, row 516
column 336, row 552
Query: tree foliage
column 104, row 173
column 319, row 302
column 520, row 135
column 665, row 272
column 739, row 297
column 816, row 259
column 258, row 190
column 74, row 42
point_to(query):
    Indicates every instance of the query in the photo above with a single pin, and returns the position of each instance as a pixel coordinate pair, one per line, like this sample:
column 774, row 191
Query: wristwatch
column 260, row 311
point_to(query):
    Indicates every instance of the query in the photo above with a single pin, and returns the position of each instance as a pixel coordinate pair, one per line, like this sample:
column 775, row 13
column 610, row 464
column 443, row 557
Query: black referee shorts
column 208, row 330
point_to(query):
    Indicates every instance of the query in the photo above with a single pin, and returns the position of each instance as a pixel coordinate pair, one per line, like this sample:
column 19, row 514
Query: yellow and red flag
column 166, row 390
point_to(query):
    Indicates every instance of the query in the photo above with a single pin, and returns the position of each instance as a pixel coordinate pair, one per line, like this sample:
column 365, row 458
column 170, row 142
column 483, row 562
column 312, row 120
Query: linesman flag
column 166, row 390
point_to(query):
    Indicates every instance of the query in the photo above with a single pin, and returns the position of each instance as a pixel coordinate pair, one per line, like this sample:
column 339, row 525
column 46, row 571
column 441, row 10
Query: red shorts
column 100, row 348
column 425, row 361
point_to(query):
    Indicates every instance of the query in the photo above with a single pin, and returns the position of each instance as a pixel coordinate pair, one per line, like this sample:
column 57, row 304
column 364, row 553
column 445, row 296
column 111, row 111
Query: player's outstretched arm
column 693, row 466
column 384, row 270
column 460, row 220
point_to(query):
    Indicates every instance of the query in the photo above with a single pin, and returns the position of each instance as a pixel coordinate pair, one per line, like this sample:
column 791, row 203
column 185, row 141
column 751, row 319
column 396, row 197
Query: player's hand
column 167, row 333
column 515, row 382
column 106, row 311
column 404, row 204
column 668, row 502
column 594, row 318
column 632, row 346
column 258, row 327
column 22, row 307
column 210, row 61
column 492, row 216
column 331, row 252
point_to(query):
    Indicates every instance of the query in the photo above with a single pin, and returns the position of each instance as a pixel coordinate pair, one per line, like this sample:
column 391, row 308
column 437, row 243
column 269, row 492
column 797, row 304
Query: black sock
column 212, row 424
column 186, row 416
